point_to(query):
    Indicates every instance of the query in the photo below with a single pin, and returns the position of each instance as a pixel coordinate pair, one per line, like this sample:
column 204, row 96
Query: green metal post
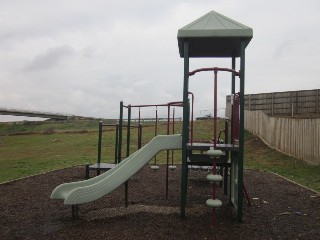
column 116, row 147
column 126, row 203
column 185, row 132
column 120, row 132
column 128, row 131
column 241, row 128
column 233, row 90
column 139, row 135
column 99, row 145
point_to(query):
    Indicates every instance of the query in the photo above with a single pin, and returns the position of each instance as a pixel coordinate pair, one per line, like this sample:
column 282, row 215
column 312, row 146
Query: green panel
column 214, row 35
column 241, row 137
column 215, row 25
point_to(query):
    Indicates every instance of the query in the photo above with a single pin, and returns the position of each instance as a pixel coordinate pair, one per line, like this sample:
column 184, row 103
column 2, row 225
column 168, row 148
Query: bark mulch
column 280, row 209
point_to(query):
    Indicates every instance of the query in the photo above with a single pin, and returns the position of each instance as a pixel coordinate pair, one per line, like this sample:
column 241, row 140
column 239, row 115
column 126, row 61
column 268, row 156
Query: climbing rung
column 214, row 178
column 172, row 167
column 214, row 153
column 214, row 203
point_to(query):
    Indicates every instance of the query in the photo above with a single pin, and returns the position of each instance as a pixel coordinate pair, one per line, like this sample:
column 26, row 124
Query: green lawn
column 23, row 155
column 76, row 144
column 259, row 156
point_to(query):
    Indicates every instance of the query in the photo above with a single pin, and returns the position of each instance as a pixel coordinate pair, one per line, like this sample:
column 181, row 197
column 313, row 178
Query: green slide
column 92, row 189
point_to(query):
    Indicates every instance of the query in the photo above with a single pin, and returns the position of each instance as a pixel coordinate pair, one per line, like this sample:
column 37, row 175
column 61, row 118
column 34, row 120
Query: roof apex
column 214, row 28
column 213, row 23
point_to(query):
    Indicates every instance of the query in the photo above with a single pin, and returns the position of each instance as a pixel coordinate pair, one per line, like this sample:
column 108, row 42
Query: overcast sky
column 83, row 57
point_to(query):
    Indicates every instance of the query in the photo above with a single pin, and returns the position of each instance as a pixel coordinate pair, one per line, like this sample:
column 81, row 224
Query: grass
column 260, row 157
column 47, row 127
column 23, row 155
column 70, row 144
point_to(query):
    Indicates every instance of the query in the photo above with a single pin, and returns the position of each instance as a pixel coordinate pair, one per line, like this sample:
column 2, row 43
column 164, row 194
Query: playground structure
column 124, row 126
column 212, row 35
column 169, row 121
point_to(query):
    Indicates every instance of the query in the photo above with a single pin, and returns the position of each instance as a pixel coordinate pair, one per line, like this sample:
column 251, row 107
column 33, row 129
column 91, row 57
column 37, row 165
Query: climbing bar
column 178, row 104
column 214, row 69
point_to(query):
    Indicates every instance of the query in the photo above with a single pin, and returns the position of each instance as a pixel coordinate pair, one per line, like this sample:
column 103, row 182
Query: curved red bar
column 215, row 69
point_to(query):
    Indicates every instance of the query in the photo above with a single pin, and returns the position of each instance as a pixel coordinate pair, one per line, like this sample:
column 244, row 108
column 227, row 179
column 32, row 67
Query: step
column 154, row 167
column 214, row 178
column 172, row 167
column 214, row 153
column 214, row 203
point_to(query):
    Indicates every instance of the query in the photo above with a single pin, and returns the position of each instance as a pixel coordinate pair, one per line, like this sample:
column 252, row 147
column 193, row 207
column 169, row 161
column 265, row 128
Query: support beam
column 241, row 137
column 185, row 131
column 233, row 90
column 120, row 132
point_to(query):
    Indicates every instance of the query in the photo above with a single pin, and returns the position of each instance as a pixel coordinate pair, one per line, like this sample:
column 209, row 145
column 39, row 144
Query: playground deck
column 279, row 210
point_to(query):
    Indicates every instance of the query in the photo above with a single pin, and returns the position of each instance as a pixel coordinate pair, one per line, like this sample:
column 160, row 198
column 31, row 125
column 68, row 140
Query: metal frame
column 129, row 107
column 238, row 163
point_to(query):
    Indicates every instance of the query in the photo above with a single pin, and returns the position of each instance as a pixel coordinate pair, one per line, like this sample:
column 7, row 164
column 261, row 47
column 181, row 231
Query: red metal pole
column 173, row 111
column 214, row 69
column 168, row 121
column 177, row 104
column 236, row 119
column 192, row 102
column 214, row 167
column 156, row 124
column 149, row 105
column 215, row 109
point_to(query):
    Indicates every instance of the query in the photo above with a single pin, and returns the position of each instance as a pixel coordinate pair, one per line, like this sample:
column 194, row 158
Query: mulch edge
column 38, row 174
column 300, row 185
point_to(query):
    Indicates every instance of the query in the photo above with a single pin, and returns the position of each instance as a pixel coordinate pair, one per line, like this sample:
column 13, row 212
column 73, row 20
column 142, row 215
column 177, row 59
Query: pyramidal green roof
column 214, row 35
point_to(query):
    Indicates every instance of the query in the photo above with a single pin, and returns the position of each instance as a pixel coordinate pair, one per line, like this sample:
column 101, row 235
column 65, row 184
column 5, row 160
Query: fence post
column 291, row 103
column 272, row 104
column 297, row 101
column 317, row 102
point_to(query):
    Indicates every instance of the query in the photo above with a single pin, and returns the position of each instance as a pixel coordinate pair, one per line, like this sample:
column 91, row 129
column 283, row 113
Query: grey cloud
column 97, row 53
column 51, row 58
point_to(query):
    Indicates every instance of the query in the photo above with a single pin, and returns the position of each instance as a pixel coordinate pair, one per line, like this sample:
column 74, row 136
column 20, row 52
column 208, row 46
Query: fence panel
column 305, row 102
column 297, row 137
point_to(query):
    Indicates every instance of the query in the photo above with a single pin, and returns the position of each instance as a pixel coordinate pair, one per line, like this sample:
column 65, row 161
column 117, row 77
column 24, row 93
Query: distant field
column 47, row 127
column 32, row 148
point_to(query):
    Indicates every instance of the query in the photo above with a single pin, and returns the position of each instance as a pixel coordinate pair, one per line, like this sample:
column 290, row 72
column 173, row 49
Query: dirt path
column 279, row 210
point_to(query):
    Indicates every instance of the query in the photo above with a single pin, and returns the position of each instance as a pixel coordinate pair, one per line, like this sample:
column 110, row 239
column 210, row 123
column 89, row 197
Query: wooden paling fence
column 296, row 137
column 291, row 103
